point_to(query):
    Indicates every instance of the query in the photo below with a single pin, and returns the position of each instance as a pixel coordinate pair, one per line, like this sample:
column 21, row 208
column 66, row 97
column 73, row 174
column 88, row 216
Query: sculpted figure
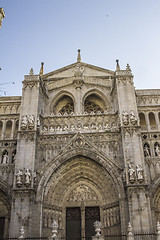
column 13, row 157
column 133, row 118
column 27, row 177
column 5, row 159
column 31, row 120
column 125, row 117
column 24, row 121
column 38, row 122
column 139, row 173
column 19, row 177
column 34, row 178
column 157, row 150
column 131, row 173
column 146, row 150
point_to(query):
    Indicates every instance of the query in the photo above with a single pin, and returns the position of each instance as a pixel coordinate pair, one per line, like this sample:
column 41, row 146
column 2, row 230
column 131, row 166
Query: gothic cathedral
column 80, row 145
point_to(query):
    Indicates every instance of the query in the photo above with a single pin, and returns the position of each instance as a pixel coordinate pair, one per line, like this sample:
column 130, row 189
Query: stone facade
column 79, row 137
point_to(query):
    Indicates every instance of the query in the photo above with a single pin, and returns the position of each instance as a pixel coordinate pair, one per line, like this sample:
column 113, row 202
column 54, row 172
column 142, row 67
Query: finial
column 31, row 72
column 117, row 67
column 2, row 15
column 128, row 68
column 79, row 56
column 41, row 69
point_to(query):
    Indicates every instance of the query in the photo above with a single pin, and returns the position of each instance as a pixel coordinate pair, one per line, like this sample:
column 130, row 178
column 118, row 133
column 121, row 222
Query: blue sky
column 105, row 30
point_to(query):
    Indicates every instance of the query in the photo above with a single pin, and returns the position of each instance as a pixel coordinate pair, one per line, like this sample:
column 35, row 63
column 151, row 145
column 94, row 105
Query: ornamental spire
column 117, row 67
column 2, row 15
column 79, row 56
column 41, row 70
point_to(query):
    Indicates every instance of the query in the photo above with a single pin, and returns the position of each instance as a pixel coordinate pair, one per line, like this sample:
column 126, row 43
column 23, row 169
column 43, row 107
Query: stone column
column 3, row 129
column 147, row 121
column 13, row 128
column 157, row 120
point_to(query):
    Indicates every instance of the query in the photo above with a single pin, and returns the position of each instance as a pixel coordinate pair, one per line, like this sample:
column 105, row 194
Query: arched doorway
column 156, row 205
column 4, row 215
column 77, row 194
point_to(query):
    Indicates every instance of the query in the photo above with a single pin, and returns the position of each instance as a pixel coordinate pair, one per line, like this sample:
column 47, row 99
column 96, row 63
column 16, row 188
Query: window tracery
column 68, row 108
column 92, row 107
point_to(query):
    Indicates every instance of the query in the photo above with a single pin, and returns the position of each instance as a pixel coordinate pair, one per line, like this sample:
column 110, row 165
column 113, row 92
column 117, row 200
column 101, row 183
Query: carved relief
column 133, row 119
column 27, row 121
column 82, row 193
column 125, row 118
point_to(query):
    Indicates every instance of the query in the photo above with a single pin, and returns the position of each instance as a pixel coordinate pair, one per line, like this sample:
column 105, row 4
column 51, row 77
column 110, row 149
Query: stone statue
column 125, row 117
column 157, row 150
column 13, row 157
column 146, row 150
column 133, row 118
column 34, row 178
column 5, row 159
column 97, row 226
column 38, row 122
column 27, row 177
column 30, row 120
column 24, row 122
column 139, row 173
column 131, row 173
column 19, row 178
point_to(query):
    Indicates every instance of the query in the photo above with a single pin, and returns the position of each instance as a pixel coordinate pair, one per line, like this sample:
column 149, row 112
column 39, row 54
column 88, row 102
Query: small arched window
column 1, row 126
column 142, row 119
column 152, row 119
column 8, row 129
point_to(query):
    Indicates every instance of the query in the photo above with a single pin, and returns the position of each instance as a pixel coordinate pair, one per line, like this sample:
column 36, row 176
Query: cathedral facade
column 80, row 145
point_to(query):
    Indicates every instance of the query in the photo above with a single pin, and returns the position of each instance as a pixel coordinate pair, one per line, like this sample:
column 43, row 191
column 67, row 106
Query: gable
column 69, row 71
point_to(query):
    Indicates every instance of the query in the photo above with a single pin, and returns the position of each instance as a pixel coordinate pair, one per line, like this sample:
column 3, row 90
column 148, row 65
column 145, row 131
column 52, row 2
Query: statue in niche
column 139, row 173
column 5, row 158
column 51, row 128
column 133, row 118
column 24, row 122
column 34, row 178
column 45, row 129
column 13, row 157
column 131, row 173
column 65, row 128
column 27, row 177
column 157, row 150
column 146, row 151
column 72, row 127
column 38, row 122
column 106, row 126
column 19, row 178
column 125, row 117
column 86, row 126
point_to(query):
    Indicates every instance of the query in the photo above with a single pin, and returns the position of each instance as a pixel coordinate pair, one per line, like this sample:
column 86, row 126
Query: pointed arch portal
column 77, row 194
